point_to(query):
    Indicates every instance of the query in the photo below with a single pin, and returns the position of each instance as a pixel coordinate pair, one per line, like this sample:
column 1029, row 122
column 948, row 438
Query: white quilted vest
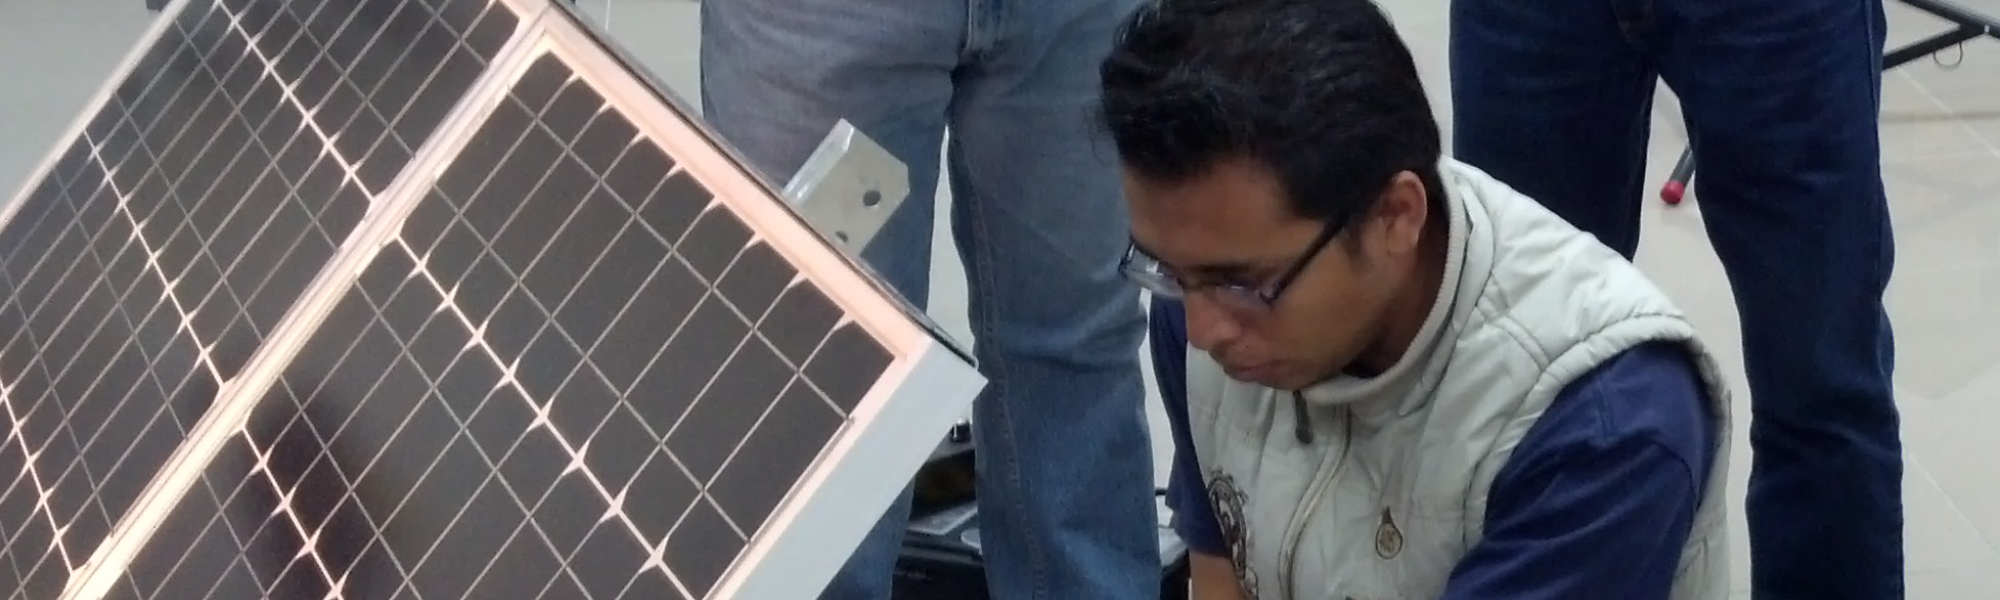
column 1391, row 490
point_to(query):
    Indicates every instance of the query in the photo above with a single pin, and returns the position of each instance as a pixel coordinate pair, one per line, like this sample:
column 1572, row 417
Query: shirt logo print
column 1228, row 500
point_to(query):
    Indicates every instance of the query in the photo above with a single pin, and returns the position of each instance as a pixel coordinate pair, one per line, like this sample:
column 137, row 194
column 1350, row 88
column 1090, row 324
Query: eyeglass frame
column 1248, row 300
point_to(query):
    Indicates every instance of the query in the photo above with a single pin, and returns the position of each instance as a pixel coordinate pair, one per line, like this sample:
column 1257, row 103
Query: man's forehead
column 1197, row 248
column 1211, row 225
column 1245, row 194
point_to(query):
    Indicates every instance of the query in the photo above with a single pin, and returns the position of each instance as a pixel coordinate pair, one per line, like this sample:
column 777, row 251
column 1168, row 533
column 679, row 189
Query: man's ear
column 1397, row 223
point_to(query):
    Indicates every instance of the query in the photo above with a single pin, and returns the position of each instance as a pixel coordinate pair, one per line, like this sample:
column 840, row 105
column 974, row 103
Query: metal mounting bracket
column 849, row 187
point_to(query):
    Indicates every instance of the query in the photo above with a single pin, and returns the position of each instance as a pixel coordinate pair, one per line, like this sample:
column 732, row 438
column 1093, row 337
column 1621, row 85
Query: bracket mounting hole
column 871, row 198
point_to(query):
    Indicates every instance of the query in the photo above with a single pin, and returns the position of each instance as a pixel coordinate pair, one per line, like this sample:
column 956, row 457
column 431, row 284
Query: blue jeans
column 1782, row 100
column 1064, row 464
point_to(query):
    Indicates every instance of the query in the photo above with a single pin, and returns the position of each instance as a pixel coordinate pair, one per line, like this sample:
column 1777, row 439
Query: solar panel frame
column 927, row 386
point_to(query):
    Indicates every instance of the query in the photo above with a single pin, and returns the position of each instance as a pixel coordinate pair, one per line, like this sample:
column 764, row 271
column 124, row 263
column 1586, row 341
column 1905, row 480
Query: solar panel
column 445, row 302
column 180, row 225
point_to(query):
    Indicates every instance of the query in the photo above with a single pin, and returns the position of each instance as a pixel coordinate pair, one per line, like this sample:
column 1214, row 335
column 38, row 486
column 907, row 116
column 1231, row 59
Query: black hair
column 1322, row 92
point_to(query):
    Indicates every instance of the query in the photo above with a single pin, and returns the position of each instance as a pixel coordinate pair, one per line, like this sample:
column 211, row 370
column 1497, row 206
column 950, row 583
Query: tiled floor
column 1941, row 133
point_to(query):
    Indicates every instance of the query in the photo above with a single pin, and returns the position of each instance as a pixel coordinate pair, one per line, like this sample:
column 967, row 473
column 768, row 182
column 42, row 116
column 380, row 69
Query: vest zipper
column 1302, row 427
column 1295, row 534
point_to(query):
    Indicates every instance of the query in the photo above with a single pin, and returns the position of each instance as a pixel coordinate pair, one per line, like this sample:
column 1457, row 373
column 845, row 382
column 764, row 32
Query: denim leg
column 1783, row 99
column 1064, row 473
column 777, row 74
column 775, row 77
column 1065, row 466
column 1554, row 99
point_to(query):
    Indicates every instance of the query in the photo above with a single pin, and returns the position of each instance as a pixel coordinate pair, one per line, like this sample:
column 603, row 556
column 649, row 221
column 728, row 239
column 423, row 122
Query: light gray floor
column 1941, row 133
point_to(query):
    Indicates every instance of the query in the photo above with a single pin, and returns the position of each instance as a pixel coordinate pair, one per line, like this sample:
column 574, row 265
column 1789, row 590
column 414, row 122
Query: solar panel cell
column 847, row 366
column 774, row 455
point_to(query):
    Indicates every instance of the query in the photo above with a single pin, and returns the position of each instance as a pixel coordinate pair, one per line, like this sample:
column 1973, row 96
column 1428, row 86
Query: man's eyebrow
column 1224, row 268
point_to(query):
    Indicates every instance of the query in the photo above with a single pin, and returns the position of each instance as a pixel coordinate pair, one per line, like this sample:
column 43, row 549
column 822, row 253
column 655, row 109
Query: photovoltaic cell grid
column 456, row 429
column 170, row 238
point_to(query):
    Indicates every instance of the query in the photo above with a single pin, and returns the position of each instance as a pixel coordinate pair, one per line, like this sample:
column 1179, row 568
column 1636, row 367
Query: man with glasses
column 1390, row 375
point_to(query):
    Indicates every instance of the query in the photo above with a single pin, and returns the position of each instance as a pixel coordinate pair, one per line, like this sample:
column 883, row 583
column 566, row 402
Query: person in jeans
column 1782, row 100
column 1064, row 463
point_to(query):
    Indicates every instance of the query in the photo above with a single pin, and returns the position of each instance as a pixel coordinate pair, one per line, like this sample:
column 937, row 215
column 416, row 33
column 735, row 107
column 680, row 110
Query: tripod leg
column 1677, row 182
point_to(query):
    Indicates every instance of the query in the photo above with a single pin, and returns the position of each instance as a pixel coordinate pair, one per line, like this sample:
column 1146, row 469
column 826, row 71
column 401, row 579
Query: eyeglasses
column 1247, row 300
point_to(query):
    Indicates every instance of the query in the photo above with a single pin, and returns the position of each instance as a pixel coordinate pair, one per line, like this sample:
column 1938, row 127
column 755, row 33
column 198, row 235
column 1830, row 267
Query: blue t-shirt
column 1595, row 502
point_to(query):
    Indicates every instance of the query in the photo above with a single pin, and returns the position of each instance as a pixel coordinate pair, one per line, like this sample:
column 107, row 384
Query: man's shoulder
column 1652, row 391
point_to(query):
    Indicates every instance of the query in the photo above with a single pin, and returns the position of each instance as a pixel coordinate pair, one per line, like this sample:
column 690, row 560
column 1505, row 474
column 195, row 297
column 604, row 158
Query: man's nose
column 1208, row 325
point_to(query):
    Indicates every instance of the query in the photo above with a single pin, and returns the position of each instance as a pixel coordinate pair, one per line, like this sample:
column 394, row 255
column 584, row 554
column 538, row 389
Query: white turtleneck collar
column 1381, row 395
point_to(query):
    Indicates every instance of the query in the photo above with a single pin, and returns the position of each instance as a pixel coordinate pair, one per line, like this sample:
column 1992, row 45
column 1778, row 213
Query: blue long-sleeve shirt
column 1596, row 501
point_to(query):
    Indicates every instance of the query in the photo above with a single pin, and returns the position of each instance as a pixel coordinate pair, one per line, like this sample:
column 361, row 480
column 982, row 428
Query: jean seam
column 982, row 255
